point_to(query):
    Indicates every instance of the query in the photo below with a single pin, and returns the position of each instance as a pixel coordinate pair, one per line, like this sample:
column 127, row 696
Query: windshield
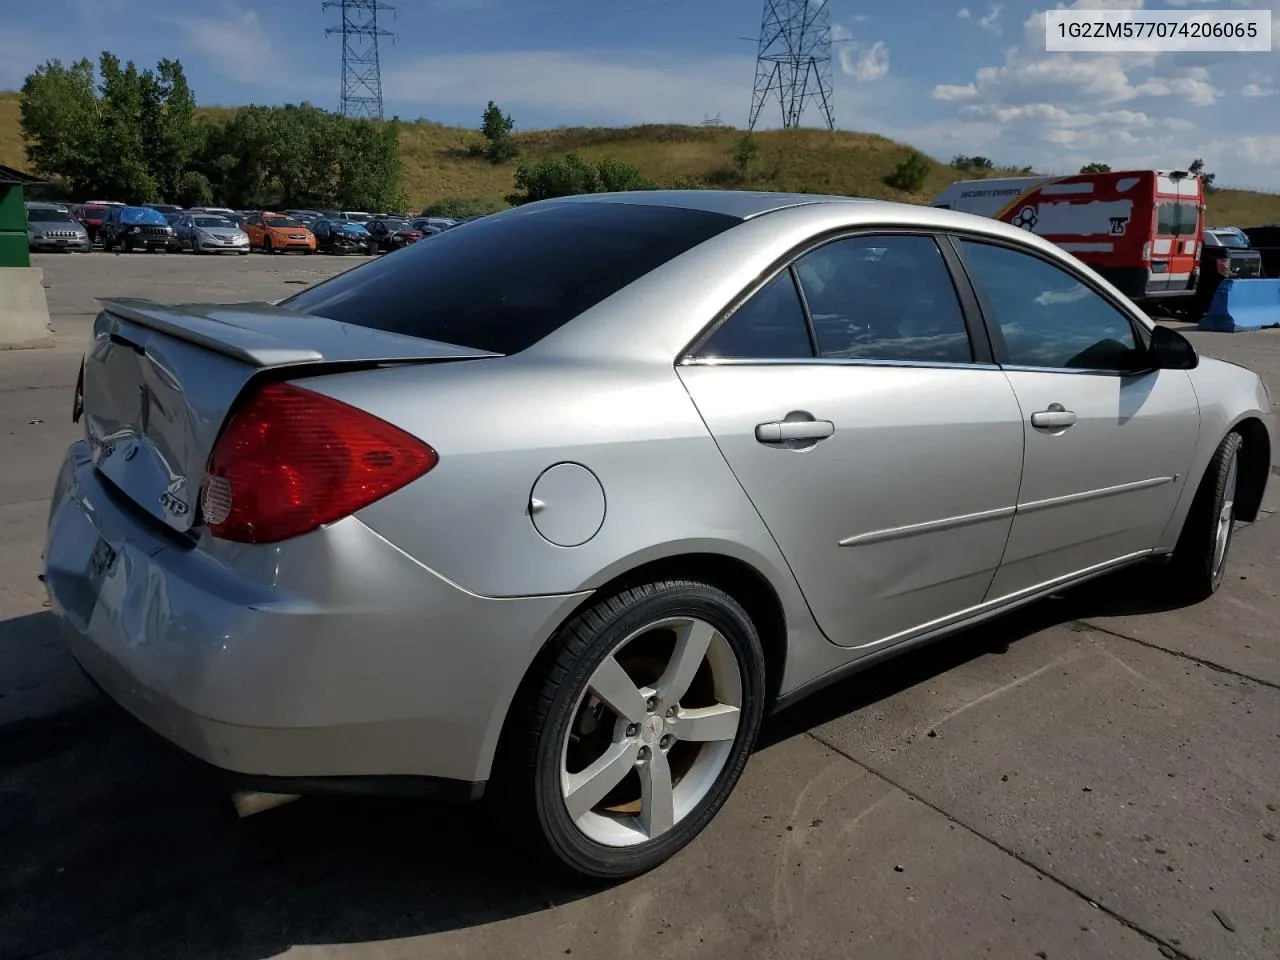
column 505, row 284
column 396, row 224
column 281, row 222
column 142, row 215
column 213, row 222
column 359, row 217
column 49, row 215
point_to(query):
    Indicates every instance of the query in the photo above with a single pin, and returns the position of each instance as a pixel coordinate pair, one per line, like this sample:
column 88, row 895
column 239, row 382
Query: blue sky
column 949, row 76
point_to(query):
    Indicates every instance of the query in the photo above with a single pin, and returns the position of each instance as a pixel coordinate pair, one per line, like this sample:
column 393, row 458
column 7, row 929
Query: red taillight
column 77, row 401
column 292, row 460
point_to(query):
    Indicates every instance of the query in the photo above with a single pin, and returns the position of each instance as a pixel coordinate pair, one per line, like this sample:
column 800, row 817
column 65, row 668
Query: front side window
column 770, row 325
column 1048, row 317
column 885, row 297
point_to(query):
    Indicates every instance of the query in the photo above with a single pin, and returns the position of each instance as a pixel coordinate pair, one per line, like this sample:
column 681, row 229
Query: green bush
column 460, row 207
column 910, row 175
column 571, row 175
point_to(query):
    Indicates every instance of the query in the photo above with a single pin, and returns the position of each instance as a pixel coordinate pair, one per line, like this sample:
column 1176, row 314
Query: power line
column 793, row 61
column 361, row 67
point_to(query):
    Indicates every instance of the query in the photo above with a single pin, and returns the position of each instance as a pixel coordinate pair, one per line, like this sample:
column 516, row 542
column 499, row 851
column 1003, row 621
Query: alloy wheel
column 651, row 732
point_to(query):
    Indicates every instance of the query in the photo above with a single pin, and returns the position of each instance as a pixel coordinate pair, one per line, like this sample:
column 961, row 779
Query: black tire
column 1197, row 569
column 267, row 248
column 530, row 767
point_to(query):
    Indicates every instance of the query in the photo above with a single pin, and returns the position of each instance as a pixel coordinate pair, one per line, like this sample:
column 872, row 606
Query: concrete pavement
column 1089, row 778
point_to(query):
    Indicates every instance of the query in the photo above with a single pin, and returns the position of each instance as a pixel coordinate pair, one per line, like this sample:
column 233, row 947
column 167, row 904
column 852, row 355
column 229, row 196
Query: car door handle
column 1056, row 417
column 779, row 431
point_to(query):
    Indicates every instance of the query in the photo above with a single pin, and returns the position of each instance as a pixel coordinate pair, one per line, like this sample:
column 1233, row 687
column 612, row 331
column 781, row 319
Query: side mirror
column 1170, row 350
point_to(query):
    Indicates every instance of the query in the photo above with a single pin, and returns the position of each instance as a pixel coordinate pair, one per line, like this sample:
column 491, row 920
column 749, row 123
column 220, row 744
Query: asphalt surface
column 1093, row 777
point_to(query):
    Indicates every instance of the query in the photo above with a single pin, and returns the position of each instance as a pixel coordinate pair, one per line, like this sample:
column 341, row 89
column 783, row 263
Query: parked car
column 566, row 504
column 343, row 236
column 274, row 233
column 392, row 233
column 359, row 216
column 126, row 229
column 171, row 218
column 50, row 226
column 1225, row 254
column 207, row 233
column 305, row 216
column 164, row 207
column 430, row 226
column 90, row 216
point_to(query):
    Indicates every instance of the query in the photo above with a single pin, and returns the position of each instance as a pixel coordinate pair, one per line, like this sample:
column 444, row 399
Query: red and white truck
column 1141, row 229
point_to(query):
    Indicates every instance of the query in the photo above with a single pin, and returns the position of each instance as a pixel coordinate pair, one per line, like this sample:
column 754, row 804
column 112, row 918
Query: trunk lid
column 159, row 381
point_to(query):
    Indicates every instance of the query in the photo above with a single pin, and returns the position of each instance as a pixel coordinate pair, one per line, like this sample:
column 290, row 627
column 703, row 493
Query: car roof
column 743, row 204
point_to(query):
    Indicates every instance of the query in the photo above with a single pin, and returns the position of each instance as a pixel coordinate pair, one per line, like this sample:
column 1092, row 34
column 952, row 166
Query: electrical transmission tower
column 793, row 60
column 361, row 72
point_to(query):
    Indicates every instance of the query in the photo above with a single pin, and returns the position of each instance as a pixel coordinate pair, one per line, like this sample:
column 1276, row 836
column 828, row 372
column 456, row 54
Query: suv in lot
column 135, row 228
column 50, row 226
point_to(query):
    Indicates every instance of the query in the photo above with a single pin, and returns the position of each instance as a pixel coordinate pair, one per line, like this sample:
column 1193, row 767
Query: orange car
column 274, row 232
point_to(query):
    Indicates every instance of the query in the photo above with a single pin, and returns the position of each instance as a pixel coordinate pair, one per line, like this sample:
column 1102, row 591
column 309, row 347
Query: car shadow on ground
column 114, row 845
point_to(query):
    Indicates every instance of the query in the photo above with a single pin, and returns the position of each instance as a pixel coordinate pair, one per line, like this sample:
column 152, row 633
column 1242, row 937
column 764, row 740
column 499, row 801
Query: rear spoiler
column 268, row 335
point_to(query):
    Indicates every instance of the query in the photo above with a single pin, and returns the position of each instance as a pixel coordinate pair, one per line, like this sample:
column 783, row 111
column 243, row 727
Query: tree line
column 120, row 133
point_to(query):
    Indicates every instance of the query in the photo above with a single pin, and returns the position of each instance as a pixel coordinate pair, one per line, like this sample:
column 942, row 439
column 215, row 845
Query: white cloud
column 955, row 91
column 858, row 60
column 963, row 13
column 238, row 46
column 872, row 63
column 641, row 87
column 991, row 19
column 1135, row 109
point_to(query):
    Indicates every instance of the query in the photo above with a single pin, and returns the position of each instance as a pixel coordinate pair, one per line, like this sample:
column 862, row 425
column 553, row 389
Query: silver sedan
column 210, row 233
column 561, row 505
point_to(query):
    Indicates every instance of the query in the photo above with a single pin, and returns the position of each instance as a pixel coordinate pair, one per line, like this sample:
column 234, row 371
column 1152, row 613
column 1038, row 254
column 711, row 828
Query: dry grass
column 436, row 163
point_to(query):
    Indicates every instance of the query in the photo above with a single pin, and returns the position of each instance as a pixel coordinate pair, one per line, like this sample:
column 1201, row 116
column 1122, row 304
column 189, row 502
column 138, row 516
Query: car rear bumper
column 356, row 662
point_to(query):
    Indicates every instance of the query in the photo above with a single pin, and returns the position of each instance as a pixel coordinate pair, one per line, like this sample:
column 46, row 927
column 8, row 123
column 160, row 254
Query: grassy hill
column 436, row 162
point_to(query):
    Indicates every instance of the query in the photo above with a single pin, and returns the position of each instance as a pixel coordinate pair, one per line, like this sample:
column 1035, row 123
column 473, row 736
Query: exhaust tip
column 249, row 802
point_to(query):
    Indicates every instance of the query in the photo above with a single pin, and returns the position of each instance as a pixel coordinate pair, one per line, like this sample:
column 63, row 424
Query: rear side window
column 769, row 326
column 507, row 281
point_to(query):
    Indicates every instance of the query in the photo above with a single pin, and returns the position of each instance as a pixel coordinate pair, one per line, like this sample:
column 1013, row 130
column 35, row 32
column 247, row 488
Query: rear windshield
column 506, row 282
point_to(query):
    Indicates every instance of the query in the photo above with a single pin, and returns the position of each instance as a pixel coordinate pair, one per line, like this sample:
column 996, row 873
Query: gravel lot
column 1089, row 778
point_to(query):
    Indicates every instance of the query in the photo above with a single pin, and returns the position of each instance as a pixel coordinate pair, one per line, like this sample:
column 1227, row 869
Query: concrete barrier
column 24, row 311
column 1243, row 305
